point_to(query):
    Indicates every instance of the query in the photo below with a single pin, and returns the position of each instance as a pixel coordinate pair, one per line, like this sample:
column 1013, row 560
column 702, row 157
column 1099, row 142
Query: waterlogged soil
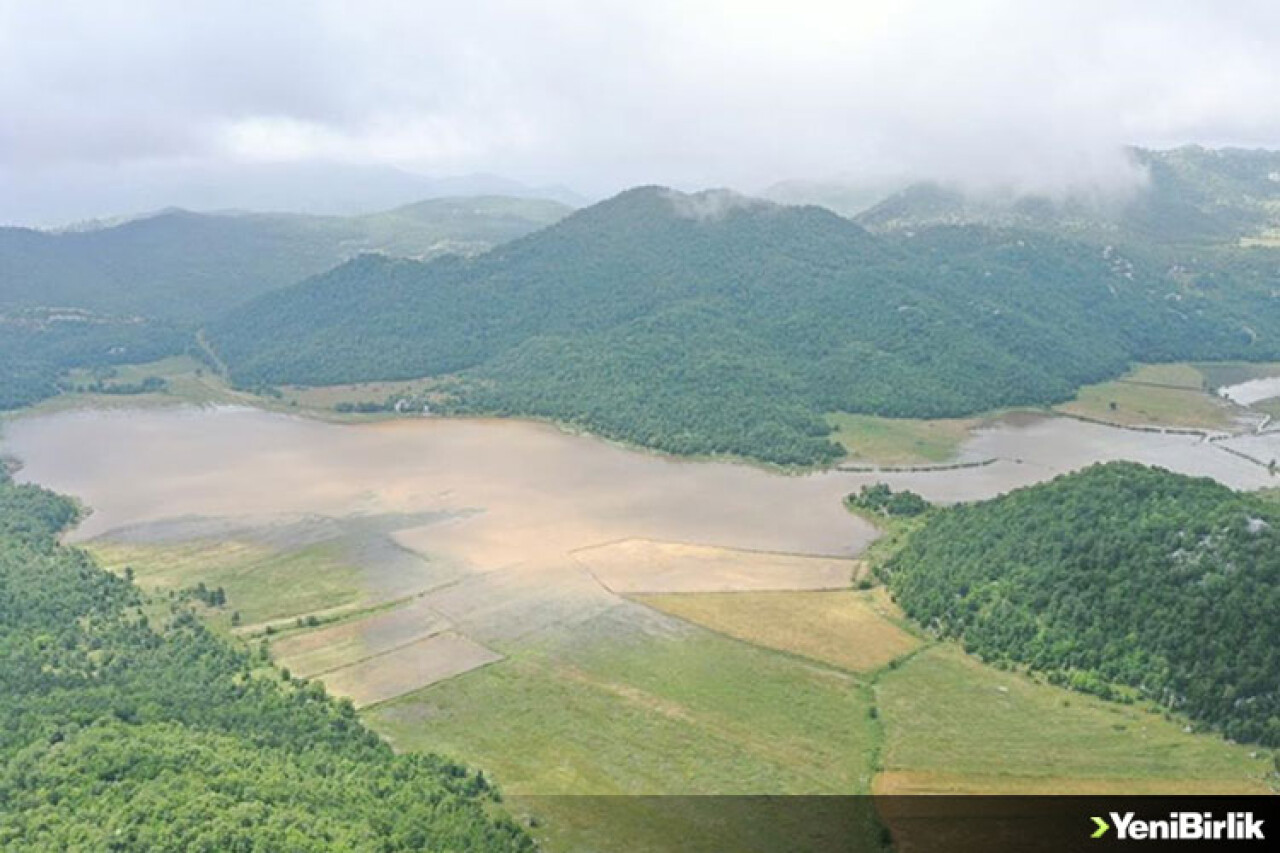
column 475, row 539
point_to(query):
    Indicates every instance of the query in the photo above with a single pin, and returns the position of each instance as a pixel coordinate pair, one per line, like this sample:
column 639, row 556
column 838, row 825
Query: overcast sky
column 601, row 95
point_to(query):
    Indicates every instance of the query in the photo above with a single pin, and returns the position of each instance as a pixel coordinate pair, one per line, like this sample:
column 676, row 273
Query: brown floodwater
column 535, row 487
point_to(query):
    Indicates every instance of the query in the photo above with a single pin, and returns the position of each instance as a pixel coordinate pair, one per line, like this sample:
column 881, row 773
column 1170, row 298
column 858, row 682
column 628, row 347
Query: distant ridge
column 179, row 264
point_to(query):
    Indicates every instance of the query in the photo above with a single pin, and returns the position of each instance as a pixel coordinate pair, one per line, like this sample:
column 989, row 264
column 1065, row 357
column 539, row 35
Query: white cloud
column 605, row 94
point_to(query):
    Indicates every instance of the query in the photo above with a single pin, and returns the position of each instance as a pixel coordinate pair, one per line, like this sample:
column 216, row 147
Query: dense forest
column 1121, row 580
column 128, row 726
column 717, row 324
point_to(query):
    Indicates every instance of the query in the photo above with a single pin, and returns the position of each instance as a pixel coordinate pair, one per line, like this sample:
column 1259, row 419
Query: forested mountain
column 1190, row 195
column 190, row 266
column 128, row 726
column 712, row 323
column 137, row 290
column 1117, row 577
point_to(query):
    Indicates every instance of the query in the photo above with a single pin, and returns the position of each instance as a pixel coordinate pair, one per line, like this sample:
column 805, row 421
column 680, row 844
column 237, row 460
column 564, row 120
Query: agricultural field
column 955, row 725
column 854, row 631
column 900, row 441
column 362, row 637
column 635, row 702
column 1172, row 395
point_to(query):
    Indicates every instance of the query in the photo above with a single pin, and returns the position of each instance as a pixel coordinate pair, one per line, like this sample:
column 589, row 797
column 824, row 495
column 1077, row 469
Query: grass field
column 262, row 583
column 1154, row 395
column 846, row 629
column 900, row 441
column 954, row 725
column 633, row 702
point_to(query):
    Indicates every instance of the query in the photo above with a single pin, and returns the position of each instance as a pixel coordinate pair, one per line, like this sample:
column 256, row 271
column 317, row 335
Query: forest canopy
column 128, row 725
column 1121, row 580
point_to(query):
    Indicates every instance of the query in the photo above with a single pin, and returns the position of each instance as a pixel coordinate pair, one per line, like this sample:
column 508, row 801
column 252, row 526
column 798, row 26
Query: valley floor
column 579, row 619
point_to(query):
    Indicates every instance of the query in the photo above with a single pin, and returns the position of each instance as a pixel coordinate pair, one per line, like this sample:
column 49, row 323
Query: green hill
column 128, row 726
column 712, row 323
column 190, row 266
column 1120, row 580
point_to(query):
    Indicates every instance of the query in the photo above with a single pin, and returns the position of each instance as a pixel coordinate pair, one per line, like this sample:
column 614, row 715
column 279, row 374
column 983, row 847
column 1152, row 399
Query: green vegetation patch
column 260, row 582
column 900, row 441
column 615, row 707
column 953, row 724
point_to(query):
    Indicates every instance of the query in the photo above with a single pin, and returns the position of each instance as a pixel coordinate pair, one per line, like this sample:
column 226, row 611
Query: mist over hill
column 87, row 193
column 1189, row 195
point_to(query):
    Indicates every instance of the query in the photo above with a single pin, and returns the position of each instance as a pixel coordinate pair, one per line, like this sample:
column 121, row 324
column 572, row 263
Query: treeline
column 712, row 324
column 128, row 726
column 1121, row 580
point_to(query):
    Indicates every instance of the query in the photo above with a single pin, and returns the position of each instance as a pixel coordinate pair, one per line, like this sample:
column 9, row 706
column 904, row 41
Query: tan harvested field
column 641, row 565
column 841, row 628
column 408, row 668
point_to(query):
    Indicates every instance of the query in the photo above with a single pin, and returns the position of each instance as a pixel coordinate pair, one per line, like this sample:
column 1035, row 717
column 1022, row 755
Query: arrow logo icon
column 1103, row 826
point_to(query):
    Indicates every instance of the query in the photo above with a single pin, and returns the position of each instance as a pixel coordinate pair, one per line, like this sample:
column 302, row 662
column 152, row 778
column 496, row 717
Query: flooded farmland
column 463, row 541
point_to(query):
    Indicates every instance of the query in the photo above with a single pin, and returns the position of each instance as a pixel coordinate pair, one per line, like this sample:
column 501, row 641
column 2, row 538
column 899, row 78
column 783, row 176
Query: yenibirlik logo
column 1182, row 826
